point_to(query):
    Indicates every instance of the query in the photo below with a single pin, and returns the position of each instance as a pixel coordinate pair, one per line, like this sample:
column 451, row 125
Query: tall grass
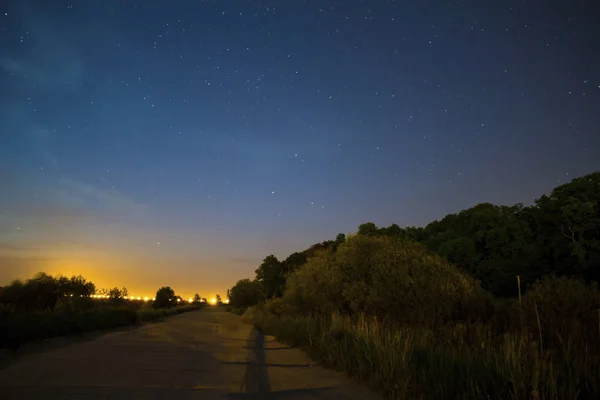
column 20, row 328
column 454, row 362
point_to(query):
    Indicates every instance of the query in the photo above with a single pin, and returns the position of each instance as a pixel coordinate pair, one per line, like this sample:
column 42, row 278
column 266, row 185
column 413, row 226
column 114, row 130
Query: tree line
column 490, row 302
column 557, row 235
column 47, row 293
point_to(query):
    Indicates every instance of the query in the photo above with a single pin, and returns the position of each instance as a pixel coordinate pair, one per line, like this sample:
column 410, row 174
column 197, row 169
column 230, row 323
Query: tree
column 165, row 297
column 392, row 231
column 218, row 297
column 568, row 222
column 196, row 298
column 44, row 292
column 116, row 293
column 368, row 229
column 117, row 296
column 245, row 293
column 271, row 276
column 293, row 262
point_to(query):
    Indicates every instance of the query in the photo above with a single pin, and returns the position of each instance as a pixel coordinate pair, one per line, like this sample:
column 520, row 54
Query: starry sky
column 150, row 143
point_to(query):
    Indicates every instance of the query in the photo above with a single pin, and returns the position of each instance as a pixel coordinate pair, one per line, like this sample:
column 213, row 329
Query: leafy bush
column 396, row 279
column 565, row 308
column 316, row 286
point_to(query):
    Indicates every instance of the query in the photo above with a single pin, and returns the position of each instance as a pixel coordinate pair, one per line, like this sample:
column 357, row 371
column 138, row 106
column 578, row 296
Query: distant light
column 146, row 299
column 213, row 300
column 153, row 299
column 125, row 297
column 178, row 300
column 190, row 300
column 139, row 298
column 226, row 301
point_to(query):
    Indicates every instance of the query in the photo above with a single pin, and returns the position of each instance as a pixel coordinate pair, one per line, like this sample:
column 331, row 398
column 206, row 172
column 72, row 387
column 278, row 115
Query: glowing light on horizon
column 213, row 300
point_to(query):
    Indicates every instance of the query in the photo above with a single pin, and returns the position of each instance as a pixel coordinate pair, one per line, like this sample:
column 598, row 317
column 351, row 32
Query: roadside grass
column 236, row 310
column 455, row 362
column 22, row 328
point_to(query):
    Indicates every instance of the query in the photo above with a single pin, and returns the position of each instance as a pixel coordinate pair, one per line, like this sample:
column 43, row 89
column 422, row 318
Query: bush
column 565, row 307
column 398, row 280
column 316, row 286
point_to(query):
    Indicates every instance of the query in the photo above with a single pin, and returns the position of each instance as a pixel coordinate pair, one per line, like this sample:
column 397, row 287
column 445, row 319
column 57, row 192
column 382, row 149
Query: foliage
column 316, row 287
column 165, row 297
column 44, row 307
column 43, row 292
column 270, row 275
column 564, row 307
column 458, row 362
column 435, row 311
column 393, row 278
column 196, row 298
column 19, row 329
column 245, row 293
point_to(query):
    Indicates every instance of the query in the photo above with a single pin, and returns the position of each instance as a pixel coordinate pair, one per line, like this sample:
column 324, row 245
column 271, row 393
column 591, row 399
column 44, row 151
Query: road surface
column 207, row 354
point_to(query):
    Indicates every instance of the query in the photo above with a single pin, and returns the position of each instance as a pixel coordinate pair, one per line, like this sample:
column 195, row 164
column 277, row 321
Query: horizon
column 208, row 295
column 160, row 145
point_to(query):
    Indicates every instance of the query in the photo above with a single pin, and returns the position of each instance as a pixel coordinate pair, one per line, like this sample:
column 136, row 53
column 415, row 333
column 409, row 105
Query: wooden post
column 519, row 286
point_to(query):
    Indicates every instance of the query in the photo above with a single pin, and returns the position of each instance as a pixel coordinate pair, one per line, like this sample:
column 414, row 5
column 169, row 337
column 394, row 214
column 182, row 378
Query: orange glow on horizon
column 107, row 271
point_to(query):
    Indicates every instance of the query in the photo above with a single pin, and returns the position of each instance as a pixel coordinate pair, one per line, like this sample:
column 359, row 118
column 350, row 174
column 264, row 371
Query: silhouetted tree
column 368, row 229
column 271, row 276
column 165, row 297
column 245, row 293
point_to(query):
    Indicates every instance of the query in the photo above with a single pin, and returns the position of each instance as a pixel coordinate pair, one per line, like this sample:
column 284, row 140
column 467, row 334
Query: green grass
column 458, row 362
column 19, row 329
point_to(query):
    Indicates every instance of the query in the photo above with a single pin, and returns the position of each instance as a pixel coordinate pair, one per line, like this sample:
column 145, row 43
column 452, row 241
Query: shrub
column 396, row 279
column 316, row 286
column 565, row 307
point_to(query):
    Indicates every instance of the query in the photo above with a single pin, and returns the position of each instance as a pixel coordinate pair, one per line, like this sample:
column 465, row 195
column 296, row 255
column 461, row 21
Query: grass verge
column 458, row 362
column 19, row 329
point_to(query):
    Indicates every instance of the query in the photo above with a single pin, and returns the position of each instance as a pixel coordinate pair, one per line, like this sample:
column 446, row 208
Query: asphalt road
column 207, row 354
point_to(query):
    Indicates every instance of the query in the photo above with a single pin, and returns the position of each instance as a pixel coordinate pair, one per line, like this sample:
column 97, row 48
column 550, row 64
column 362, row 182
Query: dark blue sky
column 179, row 143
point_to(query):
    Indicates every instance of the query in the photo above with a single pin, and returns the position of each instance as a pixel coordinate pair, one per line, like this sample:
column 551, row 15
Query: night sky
column 179, row 143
